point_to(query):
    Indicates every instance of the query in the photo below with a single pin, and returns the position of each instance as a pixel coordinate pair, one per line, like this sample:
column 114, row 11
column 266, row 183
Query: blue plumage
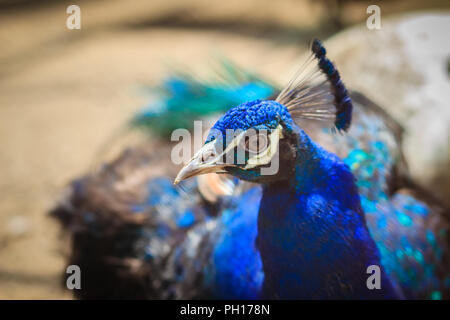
column 258, row 113
column 235, row 254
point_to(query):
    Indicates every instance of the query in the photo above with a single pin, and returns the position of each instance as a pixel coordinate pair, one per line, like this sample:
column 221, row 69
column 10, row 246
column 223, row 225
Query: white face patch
column 263, row 157
column 208, row 159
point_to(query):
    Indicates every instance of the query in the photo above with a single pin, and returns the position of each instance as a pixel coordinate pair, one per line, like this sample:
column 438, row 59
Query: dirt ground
column 63, row 93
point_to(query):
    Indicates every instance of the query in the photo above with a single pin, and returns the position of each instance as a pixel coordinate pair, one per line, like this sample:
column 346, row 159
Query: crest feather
column 316, row 91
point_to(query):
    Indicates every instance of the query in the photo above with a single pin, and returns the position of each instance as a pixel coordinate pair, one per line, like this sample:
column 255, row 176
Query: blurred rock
column 405, row 68
column 18, row 226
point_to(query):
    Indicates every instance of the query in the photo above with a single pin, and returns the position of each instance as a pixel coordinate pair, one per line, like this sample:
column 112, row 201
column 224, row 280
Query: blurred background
column 63, row 93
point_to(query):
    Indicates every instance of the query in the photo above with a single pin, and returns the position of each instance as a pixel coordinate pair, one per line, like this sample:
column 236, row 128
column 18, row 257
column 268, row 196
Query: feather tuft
column 316, row 91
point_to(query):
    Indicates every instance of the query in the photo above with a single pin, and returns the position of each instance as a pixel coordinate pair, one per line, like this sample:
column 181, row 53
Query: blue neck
column 312, row 234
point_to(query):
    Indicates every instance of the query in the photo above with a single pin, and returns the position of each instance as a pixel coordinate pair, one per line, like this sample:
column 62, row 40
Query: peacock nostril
column 207, row 156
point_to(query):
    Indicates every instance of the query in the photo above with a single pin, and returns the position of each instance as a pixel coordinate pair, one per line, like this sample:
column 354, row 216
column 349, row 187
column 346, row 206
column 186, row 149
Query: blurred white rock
column 404, row 67
column 18, row 226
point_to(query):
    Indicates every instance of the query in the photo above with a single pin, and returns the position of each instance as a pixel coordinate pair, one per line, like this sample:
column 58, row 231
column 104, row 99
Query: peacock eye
column 257, row 143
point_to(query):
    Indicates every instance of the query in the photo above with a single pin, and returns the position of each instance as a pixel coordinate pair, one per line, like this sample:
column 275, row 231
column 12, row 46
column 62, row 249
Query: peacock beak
column 206, row 160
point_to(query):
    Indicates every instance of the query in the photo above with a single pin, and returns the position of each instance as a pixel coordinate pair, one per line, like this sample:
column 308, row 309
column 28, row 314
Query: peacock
column 338, row 202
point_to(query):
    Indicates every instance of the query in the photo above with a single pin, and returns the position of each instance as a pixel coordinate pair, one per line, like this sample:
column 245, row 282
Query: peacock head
column 259, row 141
column 246, row 142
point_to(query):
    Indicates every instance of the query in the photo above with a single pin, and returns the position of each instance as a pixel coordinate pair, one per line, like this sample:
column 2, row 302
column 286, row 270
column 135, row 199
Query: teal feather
column 181, row 98
column 407, row 225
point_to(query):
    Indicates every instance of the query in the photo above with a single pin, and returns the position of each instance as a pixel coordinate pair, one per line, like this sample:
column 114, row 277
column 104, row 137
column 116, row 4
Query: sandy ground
column 63, row 93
